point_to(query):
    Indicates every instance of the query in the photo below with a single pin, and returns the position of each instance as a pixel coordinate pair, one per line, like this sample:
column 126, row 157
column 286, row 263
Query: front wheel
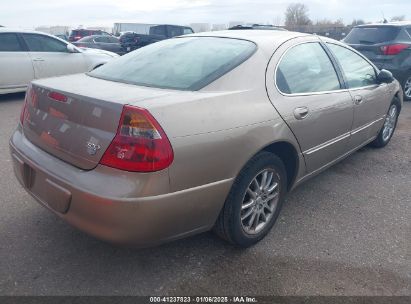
column 387, row 130
column 254, row 202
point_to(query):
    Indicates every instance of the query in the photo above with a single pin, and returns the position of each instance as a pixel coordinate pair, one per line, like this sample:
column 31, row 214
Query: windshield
column 182, row 63
column 371, row 35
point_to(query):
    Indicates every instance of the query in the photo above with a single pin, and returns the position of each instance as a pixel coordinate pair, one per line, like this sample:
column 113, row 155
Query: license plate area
column 41, row 187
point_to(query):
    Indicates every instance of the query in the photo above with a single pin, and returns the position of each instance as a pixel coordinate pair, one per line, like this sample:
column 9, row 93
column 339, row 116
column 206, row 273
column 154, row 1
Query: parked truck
column 131, row 40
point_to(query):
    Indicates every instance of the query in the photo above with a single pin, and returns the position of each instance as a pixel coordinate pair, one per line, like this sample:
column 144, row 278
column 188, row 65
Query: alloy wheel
column 407, row 88
column 390, row 122
column 260, row 201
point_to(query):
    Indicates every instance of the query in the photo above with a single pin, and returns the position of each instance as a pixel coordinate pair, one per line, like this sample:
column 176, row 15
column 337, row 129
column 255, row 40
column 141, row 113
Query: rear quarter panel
column 214, row 132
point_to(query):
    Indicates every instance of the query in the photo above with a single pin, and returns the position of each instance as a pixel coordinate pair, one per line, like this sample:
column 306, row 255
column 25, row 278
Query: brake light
column 77, row 37
column 23, row 109
column 57, row 96
column 394, row 49
column 140, row 144
column 30, row 98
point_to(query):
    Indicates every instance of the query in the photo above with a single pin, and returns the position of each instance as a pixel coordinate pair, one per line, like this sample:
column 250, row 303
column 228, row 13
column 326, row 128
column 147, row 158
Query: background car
column 257, row 27
column 104, row 42
column 80, row 33
column 62, row 36
column 28, row 55
column 388, row 46
column 199, row 132
column 131, row 41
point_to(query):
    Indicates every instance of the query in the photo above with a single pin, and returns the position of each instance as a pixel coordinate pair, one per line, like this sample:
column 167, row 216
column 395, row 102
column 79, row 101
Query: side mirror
column 385, row 77
column 71, row 48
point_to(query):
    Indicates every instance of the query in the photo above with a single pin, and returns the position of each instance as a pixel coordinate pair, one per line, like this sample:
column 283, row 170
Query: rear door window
column 174, row 31
column 306, row 68
column 358, row 71
column 40, row 43
column 9, row 43
column 372, row 35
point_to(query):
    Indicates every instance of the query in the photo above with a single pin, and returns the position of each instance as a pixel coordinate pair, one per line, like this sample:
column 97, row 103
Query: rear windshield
column 372, row 35
column 181, row 63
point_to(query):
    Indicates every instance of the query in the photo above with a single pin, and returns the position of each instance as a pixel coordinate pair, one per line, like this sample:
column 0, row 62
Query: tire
column 407, row 88
column 232, row 222
column 390, row 123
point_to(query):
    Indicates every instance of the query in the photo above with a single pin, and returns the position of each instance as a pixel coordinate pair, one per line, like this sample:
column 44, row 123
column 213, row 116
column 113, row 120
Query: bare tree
column 398, row 18
column 330, row 23
column 297, row 15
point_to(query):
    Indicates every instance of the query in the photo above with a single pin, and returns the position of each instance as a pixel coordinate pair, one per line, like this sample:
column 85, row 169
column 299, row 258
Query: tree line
column 297, row 15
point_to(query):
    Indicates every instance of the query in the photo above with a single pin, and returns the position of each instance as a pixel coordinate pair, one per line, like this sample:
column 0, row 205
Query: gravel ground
column 344, row 232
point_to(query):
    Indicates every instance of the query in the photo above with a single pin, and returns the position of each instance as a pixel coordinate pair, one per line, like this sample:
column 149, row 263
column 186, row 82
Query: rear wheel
column 387, row 130
column 254, row 202
column 407, row 88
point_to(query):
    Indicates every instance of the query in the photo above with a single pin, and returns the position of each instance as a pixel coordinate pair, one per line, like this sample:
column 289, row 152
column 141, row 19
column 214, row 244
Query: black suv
column 388, row 46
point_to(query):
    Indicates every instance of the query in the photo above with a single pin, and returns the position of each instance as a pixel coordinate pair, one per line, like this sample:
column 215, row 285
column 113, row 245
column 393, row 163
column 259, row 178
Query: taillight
column 23, row 109
column 30, row 98
column 57, row 96
column 140, row 144
column 394, row 49
column 77, row 37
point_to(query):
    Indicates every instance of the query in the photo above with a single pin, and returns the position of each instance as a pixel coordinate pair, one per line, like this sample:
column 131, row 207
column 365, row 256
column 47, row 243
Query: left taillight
column 140, row 144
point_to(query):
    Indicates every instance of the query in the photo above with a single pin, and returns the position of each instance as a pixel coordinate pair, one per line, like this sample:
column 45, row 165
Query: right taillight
column 140, row 144
column 394, row 49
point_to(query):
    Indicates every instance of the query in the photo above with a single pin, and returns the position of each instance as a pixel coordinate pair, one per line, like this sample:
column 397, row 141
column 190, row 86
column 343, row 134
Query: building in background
column 54, row 30
column 219, row 27
column 139, row 28
column 200, row 27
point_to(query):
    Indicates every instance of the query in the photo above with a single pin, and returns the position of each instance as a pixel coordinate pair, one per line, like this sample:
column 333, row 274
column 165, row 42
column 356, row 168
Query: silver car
column 207, row 131
column 28, row 55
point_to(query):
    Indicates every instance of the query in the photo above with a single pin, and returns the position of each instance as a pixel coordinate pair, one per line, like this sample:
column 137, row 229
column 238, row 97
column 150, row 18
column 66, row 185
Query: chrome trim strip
column 12, row 87
column 309, row 175
column 359, row 129
column 327, row 144
column 341, row 137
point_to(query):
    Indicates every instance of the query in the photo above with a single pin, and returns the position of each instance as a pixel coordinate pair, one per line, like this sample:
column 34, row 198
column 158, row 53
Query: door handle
column 38, row 59
column 358, row 99
column 301, row 113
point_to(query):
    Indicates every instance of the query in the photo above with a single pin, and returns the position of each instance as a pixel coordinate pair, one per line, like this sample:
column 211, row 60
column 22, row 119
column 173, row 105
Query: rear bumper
column 116, row 206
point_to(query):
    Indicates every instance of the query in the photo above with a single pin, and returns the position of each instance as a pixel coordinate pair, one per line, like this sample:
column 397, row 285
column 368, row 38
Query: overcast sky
column 29, row 14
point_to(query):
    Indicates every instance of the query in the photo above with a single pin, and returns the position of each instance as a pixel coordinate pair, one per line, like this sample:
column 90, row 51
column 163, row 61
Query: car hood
column 97, row 52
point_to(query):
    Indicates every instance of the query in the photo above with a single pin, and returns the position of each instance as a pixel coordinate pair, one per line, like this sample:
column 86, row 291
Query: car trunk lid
column 75, row 118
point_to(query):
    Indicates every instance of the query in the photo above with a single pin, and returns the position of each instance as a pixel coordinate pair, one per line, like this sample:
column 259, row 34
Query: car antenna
column 383, row 16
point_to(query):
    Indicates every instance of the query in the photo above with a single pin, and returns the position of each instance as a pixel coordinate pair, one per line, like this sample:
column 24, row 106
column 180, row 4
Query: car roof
column 96, row 36
column 14, row 30
column 267, row 40
column 87, row 30
column 396, row 23
column 11, row 30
